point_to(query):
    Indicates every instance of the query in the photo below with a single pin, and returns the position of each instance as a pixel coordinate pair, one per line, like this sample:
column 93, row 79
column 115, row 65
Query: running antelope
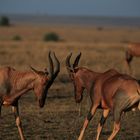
column 117, row 93
column 13, row 84
column 133, row 50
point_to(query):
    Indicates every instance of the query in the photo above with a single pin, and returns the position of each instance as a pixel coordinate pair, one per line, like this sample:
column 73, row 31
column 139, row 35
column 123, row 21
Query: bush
column 51, row 37
column 17, row 38
column 4, row 21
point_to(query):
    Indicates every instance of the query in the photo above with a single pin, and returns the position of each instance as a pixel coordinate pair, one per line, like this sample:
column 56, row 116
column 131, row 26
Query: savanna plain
column 102, row 48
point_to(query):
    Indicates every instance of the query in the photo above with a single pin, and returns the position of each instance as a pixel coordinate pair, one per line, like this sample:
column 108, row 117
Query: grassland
column 102, row 48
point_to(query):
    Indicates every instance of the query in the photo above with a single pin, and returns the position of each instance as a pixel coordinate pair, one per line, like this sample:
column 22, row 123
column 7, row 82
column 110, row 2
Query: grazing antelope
column 117, row 93
column 13, row 84
column 132, row 50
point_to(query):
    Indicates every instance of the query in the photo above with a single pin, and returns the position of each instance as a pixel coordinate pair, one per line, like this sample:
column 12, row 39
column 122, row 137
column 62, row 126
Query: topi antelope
column 84, row 78
column 117, row 93
column 81, row 77
column 132, row 50
column 13, row 84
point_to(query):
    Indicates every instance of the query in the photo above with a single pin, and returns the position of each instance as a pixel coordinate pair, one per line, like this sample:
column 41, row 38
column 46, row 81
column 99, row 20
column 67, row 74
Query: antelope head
column 75, row 77
column 46, row 78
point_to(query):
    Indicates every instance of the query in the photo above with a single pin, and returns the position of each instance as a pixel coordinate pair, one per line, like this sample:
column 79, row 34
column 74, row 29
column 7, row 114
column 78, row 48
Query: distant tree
column 4, row 21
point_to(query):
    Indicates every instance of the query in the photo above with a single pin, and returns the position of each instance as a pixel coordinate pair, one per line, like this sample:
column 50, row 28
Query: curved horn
column 55, row 73
column 68, row 65
column 77, row 60
column 52, row 75
column 57, row 66
column 50, row 66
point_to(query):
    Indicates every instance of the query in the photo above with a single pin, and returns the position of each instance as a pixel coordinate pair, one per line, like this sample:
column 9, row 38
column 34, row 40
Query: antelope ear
column 33, row 69
column 36, row 71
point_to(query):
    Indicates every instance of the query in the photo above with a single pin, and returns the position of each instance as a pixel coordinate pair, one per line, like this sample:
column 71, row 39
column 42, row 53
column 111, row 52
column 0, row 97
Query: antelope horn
column 77, row 60
column 57, row 66
column 52, row 75
column 68, row 65
column 55, row 73
column 50, row 66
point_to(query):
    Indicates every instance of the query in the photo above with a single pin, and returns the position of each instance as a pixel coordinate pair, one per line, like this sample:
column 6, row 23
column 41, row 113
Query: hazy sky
column 72, row 7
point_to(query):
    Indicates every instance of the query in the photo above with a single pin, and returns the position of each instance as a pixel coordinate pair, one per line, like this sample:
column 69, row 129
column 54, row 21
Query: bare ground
column 60, row 120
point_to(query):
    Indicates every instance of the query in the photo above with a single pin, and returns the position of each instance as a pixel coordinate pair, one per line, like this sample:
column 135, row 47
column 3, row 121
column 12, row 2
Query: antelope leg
column 117, row 117
column 18, row 121
column 87, row 120
column 101, row 123
column 115, row 130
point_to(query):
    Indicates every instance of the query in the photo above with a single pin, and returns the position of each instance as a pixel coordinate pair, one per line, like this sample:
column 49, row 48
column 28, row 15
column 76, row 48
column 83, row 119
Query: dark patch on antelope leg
column 89, row 116
column 102, row 121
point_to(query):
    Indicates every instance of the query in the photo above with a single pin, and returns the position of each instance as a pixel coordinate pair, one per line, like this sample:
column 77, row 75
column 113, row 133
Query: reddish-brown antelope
column 81, row 77
column 133, row 50
column 117, row 93
column 13, row 84
column 84, row 78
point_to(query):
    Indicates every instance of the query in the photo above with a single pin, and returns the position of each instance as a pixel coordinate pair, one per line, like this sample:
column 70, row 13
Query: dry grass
column 101, row 50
